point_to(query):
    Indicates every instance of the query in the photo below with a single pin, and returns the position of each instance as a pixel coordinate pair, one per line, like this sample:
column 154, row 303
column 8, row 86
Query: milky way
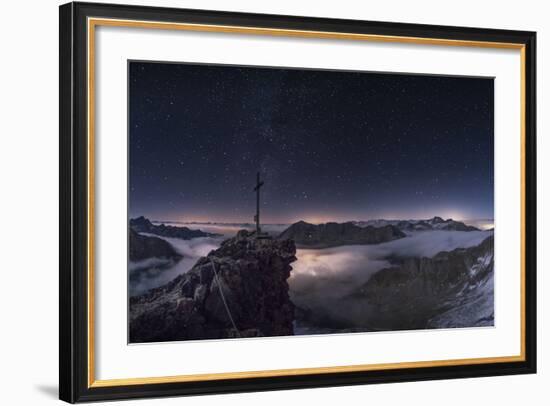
column 331, row 145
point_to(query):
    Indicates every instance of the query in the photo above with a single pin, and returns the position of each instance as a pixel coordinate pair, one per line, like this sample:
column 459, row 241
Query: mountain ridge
column 434, row 223
column 142, row 247
column 337, row 234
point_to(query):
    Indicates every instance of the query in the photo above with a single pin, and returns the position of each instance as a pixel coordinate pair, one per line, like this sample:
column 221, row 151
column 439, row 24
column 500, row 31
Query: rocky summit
column 237, row 290
column 338, row 234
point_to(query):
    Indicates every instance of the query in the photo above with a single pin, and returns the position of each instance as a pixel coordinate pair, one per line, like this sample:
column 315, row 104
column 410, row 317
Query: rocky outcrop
column 338, row 234
column 144, row 225
column 452, row 289
column 238, row 290
column 143, row 247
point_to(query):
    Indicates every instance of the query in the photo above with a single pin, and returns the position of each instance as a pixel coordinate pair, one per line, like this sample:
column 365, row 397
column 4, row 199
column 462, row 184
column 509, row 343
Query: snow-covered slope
column 473, row 306
column 452, row 289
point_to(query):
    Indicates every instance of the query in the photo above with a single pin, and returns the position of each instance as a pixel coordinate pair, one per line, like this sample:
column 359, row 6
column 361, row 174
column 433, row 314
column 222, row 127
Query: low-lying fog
column 161, row 271
column 320, row 278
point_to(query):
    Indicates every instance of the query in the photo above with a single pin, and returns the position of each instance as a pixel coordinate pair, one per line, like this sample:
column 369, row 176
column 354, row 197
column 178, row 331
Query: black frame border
column 73, row 289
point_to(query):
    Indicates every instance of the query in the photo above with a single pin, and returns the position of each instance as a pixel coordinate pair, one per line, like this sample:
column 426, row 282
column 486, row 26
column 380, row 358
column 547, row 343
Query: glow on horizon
column 320, row 218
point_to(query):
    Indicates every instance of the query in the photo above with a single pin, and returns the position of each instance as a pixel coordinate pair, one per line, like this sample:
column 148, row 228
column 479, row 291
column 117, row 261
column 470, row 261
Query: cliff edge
column 237, row 290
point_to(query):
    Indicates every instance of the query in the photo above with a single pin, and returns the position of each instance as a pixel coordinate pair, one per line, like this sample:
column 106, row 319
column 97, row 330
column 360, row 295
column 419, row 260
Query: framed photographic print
column 255, row 202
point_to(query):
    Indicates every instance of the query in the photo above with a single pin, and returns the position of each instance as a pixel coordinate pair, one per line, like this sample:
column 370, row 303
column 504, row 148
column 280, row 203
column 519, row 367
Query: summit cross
column 259, row 184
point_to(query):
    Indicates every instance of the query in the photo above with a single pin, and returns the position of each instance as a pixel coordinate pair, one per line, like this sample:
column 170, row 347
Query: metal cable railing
column 218, row 282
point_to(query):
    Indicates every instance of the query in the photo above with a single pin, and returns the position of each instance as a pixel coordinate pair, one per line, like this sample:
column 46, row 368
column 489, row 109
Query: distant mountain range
column 326, row 235
column 435, row 223
column 364, row 232
column 337, row 234
column 244, row 225
column 144, row 225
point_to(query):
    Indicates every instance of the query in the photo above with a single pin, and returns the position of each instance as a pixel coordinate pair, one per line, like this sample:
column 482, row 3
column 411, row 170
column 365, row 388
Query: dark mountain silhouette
column 143, row 247
column 337, row 234
column 144, row 225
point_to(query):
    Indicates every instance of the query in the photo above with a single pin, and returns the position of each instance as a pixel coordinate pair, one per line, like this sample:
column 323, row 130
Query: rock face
column 144, row 247
column 144, row 225
column 337, row 234
column 452, row 289
column 251, row 273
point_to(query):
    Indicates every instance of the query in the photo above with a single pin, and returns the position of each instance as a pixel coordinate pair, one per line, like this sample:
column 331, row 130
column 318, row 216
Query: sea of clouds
column 153, row 272
column 321, row 279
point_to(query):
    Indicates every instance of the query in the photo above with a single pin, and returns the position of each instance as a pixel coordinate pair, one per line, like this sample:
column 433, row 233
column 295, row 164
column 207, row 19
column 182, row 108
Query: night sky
column 331, row 145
